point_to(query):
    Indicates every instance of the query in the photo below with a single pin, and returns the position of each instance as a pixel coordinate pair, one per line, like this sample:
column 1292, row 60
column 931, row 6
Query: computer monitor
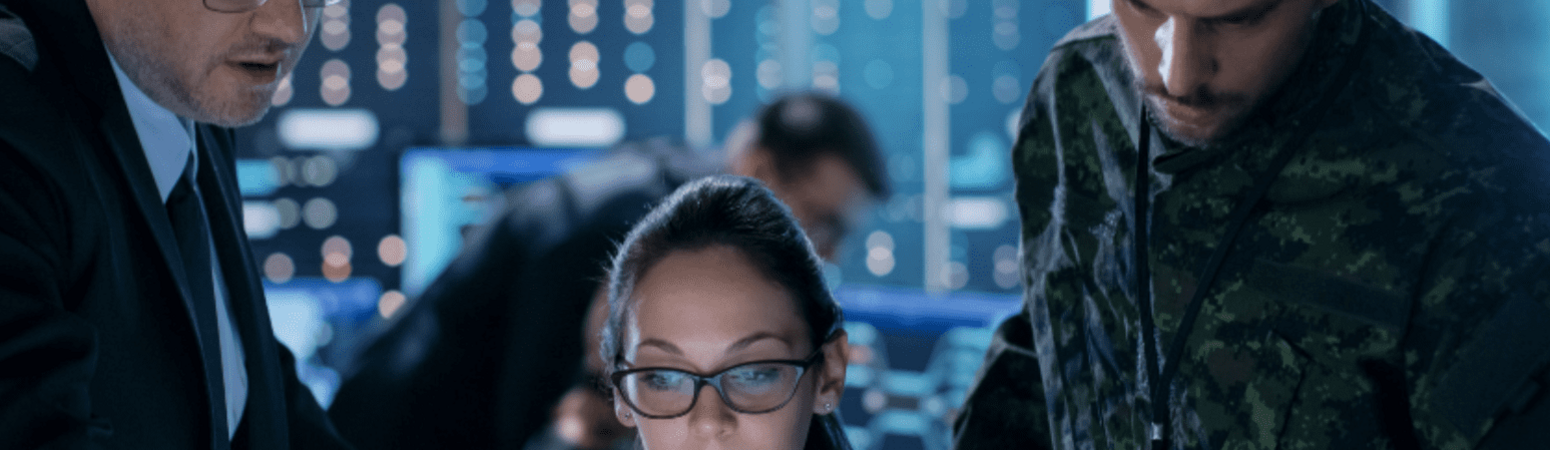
column 445, row 192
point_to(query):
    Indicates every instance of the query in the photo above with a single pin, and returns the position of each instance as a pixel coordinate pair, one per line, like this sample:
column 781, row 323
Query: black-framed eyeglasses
column 750, row 388
column 241, row 6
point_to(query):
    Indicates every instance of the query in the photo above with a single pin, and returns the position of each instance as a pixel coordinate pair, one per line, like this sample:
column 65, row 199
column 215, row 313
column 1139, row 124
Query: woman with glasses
column 721, row 332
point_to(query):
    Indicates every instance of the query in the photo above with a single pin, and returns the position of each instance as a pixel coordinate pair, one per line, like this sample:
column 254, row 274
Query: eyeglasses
column 241, row 6
column 751, row 388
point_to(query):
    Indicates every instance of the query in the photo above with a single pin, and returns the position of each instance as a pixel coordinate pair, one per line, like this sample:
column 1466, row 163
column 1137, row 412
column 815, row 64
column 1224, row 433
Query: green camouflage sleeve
column 1478, row 347
column 1007, row 408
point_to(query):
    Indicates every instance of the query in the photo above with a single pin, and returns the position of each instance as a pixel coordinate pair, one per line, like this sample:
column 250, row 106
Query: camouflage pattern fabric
column 1392, row 289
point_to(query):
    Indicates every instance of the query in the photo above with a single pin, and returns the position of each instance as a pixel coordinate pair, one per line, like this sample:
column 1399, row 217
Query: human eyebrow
column 1247, row 14
column 1138, row 4
column 661, row 344
column 752, row 338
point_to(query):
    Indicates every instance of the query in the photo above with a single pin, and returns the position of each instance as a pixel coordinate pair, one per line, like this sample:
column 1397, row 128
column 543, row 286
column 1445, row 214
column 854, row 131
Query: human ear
column 622, row 411
column 831, row 376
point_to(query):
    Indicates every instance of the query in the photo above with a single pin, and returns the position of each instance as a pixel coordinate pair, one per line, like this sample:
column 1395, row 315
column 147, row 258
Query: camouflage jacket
column 1390, row 290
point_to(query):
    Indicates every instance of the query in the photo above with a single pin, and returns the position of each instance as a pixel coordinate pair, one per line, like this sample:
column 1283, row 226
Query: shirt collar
column 167, row 139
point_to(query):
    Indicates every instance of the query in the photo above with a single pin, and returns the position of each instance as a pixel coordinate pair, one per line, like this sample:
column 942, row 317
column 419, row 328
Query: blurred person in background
column 718, row 288
column 131, row 314
column 1336, row 238
column 482, row 357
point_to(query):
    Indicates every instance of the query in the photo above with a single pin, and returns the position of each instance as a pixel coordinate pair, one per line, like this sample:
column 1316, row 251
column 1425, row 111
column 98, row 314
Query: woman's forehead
column 713, row 298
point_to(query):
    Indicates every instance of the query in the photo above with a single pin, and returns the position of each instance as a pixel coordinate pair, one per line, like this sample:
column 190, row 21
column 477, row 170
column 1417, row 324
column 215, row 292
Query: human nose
column 282, row 20
column 1186, row 62
column 711, row 418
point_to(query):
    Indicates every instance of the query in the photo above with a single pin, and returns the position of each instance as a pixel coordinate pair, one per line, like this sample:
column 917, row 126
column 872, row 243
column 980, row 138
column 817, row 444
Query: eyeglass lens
column 751, row 388
column 235, row 6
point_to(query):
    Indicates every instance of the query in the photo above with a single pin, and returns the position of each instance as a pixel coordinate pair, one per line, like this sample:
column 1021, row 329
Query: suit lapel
column 218, row 182
column 74, row 33
column 88, row 73
column 124, row 145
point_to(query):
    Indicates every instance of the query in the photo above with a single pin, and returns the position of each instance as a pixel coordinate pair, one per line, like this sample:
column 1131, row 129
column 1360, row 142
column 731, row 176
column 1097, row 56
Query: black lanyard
column 1159, row 431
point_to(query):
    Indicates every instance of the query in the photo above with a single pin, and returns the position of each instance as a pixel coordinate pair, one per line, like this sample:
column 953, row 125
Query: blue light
column 257, row 177
column 985, row 167
column 472, row 31
column 639, row 57
column 471, row 7
column 1431, row 17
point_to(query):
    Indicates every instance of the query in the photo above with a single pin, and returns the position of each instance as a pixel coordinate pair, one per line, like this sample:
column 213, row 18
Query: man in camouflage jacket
column 1369, row 239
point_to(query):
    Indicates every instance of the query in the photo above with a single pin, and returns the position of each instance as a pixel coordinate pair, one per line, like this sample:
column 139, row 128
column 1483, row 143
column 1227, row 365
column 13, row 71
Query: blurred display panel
column 913, row 358
column 618, row 57
column 871, row 53
column 319, row 175
column 449, row 193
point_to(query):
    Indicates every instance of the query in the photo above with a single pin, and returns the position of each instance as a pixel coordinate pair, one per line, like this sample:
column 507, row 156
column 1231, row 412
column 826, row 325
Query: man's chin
column 239, row 113
column 1189, row 126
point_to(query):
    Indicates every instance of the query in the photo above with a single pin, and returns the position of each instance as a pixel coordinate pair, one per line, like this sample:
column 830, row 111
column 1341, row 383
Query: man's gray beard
column 156, row 80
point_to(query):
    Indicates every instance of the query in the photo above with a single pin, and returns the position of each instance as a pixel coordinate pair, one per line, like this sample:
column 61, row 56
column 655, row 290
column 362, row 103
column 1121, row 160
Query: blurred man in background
column 481, row 358
column 131, row 315
column 1348, row 241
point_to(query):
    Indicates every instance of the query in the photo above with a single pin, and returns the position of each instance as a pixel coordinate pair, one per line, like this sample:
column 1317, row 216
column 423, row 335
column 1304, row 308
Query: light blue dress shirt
column 168, row 141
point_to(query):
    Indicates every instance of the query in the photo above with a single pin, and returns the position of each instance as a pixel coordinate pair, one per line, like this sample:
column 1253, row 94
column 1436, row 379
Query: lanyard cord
column 1156, row 431
column 1160, row 430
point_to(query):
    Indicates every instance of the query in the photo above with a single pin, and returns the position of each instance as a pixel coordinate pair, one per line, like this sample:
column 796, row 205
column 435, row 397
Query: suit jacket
column 99, row 346
column 480, row 358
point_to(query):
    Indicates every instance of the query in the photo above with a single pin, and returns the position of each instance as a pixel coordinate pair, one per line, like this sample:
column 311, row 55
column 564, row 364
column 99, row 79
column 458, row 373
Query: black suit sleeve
column 47, row 354
column 1005, row 408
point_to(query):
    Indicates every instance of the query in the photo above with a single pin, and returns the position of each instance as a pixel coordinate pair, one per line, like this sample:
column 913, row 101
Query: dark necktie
column 191, row 225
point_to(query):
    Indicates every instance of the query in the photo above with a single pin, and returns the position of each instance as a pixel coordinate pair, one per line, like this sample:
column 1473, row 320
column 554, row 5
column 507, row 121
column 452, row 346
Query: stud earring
column 628, row 414
column 828, row 407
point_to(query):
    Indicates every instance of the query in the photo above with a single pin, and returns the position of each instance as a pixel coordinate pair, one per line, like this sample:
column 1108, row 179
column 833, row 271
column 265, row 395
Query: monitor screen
column 446, row 192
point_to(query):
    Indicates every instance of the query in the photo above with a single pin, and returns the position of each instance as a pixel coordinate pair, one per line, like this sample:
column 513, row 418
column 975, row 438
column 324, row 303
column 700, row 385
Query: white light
column 639, row 88
column 1097, row 8
column 335, row 88
column 955, row 89
column 527, row 88
column 957, row 275
column 389, row 303
column 583, row 64
column 526, row 8
column 879, row 255
column 583, row 16
column 880, row 261
column 319, row 213
column 716, row 76
column 1013, row 119
column 328, row 129
column 261, row 220
column 715, row 9
column 880, row 239
column 1006, row 267
column 296, row 318
column 769, row 74
column 283, row 92
column 575, row 127
column 978, row 213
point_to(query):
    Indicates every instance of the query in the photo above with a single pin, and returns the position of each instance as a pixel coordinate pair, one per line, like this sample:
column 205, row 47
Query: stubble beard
column 1235, row 113
column 161, row 81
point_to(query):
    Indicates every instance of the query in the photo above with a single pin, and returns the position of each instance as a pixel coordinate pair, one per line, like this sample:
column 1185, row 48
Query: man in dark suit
column 131, row 315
